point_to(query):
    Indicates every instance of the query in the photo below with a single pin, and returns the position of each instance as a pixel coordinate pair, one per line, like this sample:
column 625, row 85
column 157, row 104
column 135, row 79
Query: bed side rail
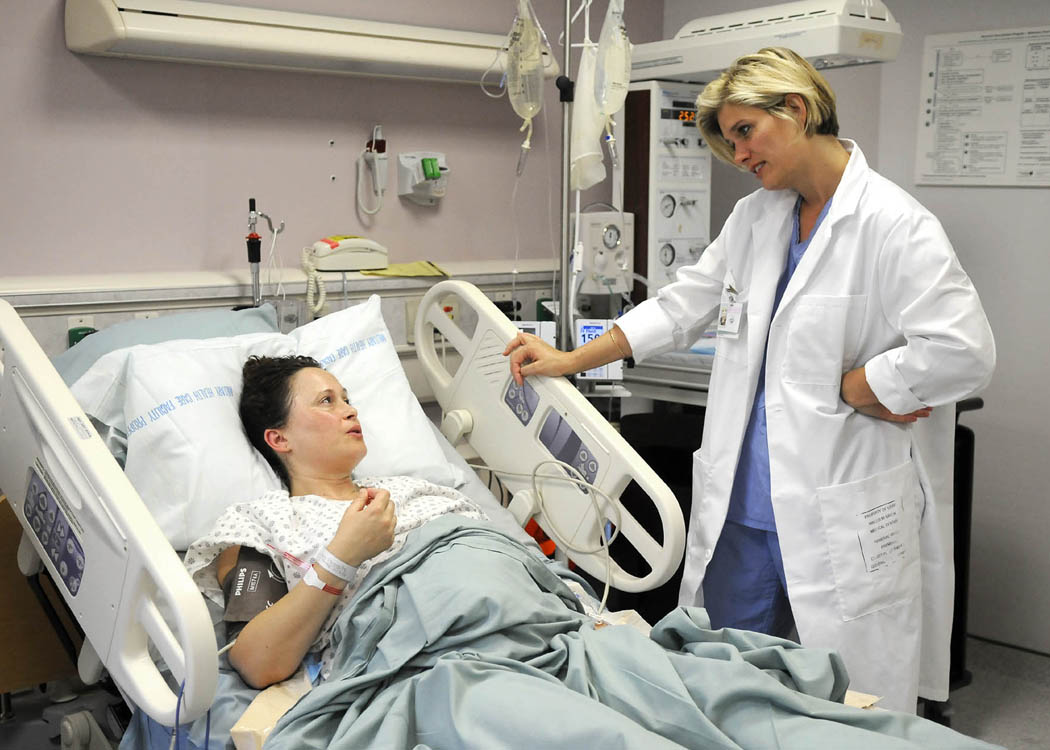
column 85, row 522
column 516, row 428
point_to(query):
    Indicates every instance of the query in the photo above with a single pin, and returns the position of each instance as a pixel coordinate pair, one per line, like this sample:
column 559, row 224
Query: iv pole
column 565, row 86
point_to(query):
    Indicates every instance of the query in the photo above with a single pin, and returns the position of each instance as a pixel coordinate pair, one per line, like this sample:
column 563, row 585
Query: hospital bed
column 86, row 524
column 108, row 537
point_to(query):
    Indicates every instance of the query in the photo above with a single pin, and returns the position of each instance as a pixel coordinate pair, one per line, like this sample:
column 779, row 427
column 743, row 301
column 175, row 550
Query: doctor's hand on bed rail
column 857, row 393
column 531, row 355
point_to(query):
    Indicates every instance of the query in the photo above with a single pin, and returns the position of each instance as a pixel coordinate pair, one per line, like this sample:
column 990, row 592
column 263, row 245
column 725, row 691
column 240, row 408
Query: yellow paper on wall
column 415, row 268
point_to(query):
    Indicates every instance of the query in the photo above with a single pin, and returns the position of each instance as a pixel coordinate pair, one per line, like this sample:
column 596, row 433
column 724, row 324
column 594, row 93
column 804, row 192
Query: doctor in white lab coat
column 846, row 331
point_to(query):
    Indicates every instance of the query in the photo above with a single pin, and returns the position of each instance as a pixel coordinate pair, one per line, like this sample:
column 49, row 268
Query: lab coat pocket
column 871, row 527
column 823, row 338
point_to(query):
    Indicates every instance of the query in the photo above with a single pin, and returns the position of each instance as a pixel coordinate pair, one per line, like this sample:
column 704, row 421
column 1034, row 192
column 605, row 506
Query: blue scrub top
column 750, row 503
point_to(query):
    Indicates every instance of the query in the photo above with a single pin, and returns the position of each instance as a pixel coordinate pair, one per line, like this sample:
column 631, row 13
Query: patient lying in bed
column 300, row 418
column 451, row 634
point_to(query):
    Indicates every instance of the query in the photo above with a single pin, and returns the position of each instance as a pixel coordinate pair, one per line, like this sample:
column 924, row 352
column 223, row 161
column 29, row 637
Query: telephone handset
column 348, row 253
column 343, row 252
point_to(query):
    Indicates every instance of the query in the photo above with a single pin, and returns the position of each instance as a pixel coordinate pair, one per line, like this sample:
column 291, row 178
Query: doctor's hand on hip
column 531, row 355
column 857, row 393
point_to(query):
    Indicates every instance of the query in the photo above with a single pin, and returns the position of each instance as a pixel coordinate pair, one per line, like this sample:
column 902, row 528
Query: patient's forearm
column 272, row 645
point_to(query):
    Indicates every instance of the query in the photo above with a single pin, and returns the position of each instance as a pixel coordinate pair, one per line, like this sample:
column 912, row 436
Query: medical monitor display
column 681, row 110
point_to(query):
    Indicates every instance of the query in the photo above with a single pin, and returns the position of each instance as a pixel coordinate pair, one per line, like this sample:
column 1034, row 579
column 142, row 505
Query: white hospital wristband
column 334, row 565
column 310, row 578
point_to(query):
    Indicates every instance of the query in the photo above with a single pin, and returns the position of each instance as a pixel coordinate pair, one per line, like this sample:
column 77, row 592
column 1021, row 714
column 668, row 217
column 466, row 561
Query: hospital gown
column 301, row 525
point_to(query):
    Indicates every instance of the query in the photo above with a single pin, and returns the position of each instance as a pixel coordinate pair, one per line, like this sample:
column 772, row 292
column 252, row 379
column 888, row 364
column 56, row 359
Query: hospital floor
column 1007, row 703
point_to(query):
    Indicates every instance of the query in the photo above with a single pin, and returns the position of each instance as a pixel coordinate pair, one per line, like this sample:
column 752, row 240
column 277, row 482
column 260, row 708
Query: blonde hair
column 764, row 80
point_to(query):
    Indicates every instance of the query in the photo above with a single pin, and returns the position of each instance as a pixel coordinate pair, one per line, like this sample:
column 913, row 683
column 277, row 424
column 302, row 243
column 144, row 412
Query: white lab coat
column 866, row 540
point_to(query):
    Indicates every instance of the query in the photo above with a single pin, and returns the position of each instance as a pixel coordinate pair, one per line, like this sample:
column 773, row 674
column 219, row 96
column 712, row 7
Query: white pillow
column 187, row 453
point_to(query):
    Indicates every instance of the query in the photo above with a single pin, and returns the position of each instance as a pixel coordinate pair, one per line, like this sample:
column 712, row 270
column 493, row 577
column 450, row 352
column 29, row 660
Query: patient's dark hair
column 266, row 398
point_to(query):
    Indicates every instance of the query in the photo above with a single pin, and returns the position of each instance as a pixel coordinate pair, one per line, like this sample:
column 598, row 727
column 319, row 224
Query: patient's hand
column 367, row 527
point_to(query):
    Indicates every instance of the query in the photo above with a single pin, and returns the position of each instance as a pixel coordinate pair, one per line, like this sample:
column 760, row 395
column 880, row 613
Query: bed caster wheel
column 75, row 731
column 80, row 731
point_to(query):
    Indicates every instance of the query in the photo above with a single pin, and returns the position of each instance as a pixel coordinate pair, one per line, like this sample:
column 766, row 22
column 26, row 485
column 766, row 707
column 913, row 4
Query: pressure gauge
column 611, row 236
column 667, row 254
column 667, row 205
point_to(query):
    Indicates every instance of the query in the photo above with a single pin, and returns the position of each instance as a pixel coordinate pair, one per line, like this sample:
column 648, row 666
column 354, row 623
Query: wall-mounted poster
column 984, row 115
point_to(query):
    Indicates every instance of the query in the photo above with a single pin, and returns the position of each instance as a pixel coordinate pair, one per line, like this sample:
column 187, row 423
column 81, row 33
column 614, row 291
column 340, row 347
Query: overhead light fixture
column 828, row 33
column 237, row 36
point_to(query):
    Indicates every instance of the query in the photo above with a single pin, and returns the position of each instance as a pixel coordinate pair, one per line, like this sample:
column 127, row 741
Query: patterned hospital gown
column 302, row 525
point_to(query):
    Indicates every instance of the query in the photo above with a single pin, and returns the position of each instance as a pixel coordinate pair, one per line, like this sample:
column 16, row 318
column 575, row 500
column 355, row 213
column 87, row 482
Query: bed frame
column 83, row 521
column 519, row 427
column 87, row 526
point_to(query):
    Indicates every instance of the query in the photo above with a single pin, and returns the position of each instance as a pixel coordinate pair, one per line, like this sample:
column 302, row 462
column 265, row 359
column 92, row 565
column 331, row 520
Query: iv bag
column 613, row 66
column 525, row 63
column 586, row 167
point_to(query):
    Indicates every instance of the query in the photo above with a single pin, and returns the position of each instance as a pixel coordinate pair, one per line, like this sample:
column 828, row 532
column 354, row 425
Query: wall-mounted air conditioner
column 828, row 33
column 216, row 34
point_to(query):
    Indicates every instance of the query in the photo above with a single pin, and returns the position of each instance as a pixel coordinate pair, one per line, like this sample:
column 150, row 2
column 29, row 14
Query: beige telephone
column 346, row 252
column 341, row 252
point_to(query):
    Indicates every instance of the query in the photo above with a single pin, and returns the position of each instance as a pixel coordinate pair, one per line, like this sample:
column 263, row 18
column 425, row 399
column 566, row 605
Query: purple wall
column 124, row 165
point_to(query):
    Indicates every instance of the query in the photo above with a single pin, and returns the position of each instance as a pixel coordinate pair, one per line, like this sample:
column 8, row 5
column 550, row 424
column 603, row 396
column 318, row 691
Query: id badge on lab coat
column 731, row 310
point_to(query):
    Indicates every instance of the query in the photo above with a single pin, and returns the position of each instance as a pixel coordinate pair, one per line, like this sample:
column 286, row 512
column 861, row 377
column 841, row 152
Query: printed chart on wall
column 984, row 115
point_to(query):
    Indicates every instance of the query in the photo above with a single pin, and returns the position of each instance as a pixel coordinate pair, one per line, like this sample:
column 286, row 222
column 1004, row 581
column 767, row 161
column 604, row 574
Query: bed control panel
column 565, row 445
column 52, row 528
column 557, row 435
column 522, row 400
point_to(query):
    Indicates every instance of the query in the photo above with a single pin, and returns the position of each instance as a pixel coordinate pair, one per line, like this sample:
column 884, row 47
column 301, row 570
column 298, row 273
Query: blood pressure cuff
column 253, row 585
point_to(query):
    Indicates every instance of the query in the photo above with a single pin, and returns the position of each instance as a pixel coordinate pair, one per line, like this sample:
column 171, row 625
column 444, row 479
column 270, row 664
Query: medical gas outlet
column 669, row 189
column 422, row 177
column 449, row 306
column 607, row 265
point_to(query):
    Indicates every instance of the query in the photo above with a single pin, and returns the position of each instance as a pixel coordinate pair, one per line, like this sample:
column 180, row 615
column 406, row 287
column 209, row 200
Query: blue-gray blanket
column 468, row 640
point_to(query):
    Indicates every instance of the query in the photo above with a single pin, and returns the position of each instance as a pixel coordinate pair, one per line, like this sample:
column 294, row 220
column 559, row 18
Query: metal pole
column 565, row 334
